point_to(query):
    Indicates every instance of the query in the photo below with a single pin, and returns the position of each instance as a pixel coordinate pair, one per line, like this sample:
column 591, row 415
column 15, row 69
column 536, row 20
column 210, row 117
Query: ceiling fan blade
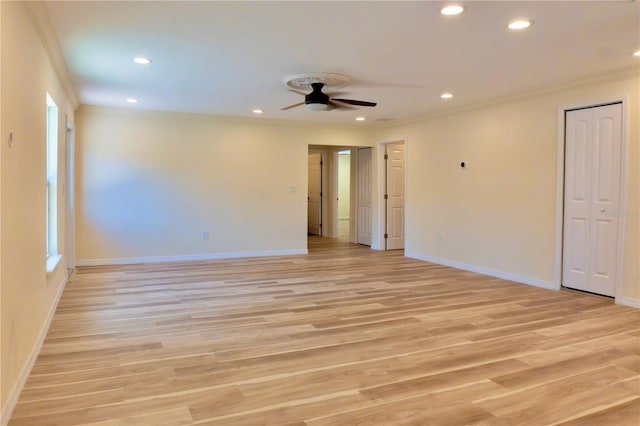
column 298, row 92
column 334, row 105
column 354, row 102
column 332, row 94
column 292, row 106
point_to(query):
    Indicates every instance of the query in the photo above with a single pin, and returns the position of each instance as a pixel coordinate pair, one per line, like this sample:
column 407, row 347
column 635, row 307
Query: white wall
column 499, row 214
column 148, row 184
column 28, row 296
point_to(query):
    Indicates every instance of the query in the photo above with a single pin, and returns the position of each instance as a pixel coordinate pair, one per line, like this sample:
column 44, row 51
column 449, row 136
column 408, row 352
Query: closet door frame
column 560, row 182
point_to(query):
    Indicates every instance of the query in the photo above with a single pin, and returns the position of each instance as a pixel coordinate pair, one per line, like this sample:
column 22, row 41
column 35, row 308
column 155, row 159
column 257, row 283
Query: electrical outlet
column 439, row 238
column 205, row 235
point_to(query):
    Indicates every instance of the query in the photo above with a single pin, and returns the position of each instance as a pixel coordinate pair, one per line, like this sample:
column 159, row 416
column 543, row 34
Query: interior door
column 365, row 196
column 394, row 196
column 593, row 144
column 314, row 197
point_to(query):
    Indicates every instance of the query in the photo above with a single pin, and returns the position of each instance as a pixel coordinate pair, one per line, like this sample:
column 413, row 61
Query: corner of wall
column 15, row 392
column 627, row 301
column 42, row 24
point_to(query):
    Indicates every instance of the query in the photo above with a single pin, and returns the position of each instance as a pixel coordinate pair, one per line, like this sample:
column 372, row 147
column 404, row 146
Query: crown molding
column 632, row 71
column 212, row 118
column 42, row 24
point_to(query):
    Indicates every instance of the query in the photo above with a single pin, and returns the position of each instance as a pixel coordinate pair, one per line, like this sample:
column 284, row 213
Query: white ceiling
column 227, row 58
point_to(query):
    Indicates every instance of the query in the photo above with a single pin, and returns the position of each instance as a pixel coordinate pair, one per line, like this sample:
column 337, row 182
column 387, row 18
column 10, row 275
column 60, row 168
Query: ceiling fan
column 317, row 100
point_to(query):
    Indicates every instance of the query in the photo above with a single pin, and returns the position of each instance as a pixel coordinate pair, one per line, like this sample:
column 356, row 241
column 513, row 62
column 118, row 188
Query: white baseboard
column 486, row 271
column 15, row 392
column 186, row 258
column 628, row 301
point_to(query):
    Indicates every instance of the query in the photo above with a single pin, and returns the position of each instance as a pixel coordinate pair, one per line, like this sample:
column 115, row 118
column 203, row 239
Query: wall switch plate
column 205, row 235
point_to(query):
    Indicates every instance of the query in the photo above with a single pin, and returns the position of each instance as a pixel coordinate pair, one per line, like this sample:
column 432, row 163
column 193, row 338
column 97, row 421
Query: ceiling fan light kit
column 315, row 106
column 317, row 100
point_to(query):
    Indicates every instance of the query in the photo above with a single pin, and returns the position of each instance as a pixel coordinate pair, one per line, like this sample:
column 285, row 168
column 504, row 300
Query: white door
column 314, row 197
column 394, row 196
column 593, row 150
column 364, row 194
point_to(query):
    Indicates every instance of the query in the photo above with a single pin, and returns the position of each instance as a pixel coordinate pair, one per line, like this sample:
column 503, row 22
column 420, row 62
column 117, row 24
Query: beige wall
column 500, row 212
column 149, row 184
column 27, row 294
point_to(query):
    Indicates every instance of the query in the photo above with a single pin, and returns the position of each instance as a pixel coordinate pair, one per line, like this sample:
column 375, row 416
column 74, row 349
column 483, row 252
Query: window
column 52, row 183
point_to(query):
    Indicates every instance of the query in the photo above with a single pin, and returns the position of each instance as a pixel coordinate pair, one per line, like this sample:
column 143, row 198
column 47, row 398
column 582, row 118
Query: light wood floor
column 343, row 336
column 343, row 230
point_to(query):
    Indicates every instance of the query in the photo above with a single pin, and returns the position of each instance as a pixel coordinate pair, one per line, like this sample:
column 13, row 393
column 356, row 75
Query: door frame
column 382, row 176
column 70, row 227
column 560, row 182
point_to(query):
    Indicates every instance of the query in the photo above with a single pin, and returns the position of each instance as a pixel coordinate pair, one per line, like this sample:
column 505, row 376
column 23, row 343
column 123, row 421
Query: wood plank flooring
column 342, row 336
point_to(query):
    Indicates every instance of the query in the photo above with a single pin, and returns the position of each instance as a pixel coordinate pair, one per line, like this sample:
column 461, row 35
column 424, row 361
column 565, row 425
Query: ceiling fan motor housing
column 316, row 96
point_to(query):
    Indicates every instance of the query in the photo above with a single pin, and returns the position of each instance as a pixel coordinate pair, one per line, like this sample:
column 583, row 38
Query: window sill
column 52, row 263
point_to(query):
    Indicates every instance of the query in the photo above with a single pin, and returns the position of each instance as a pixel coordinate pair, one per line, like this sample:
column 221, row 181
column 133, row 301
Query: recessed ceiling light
column 446, row 96
column 454, row 9
column 359, row 118
column 132, row 100
column 258, row 111
column 636, row 53
column 520, row 24
column 142, row 60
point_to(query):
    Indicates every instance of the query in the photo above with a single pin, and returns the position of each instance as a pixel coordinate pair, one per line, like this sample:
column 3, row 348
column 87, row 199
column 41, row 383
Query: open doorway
column 332, row 197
